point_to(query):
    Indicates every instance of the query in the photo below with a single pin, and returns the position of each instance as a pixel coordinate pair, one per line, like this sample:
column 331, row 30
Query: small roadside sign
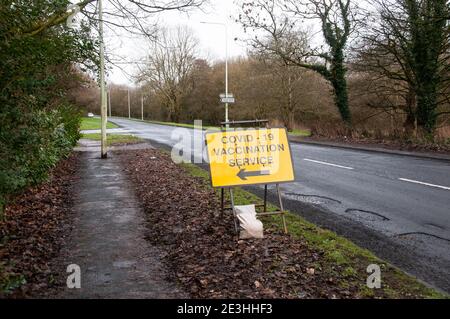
column 227, row 98
column 249, row 157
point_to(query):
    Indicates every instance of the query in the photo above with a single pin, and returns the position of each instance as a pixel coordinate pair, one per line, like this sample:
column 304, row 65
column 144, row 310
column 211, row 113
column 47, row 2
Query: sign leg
column 265, row 199
column 234, row 211
column 222, row 191
column 282, row 209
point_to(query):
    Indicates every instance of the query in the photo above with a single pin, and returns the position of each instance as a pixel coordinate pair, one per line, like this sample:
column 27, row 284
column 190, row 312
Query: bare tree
column 128, row 14
column 278, row 21
column 284, row 78
column 169, row 68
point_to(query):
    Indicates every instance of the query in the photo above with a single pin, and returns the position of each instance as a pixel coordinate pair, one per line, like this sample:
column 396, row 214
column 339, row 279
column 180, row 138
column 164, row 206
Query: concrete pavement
column 108, row 238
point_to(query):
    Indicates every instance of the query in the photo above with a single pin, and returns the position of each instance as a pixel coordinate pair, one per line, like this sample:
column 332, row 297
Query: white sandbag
column 250, row 226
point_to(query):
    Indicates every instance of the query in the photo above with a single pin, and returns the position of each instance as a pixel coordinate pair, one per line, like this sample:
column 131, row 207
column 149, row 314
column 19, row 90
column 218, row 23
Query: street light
column 226, row 65
column 103, row 107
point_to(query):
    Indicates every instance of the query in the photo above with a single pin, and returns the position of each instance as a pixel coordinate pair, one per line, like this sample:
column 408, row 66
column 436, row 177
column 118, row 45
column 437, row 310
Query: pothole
column 421, row 234
column 367, row 215
column 312, row 199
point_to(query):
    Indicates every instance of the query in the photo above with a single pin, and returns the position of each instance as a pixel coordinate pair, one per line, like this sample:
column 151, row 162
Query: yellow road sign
column 249, row 157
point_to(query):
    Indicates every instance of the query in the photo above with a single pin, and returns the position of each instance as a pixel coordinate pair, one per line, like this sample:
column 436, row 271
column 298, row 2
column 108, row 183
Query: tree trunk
column 429, row 34
column 426, row 109
column 289, row 112
column 291, row 121
column 409, row 124
column 411, row 106
column 339, row 83
column 174, row 109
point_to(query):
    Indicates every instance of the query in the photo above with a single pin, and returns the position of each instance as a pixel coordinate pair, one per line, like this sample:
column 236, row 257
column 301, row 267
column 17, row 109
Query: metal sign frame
column 232, row 206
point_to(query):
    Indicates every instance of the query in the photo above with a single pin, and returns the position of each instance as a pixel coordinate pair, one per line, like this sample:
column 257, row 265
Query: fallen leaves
column 203, row 252
column 33, row 231
column 310, row 271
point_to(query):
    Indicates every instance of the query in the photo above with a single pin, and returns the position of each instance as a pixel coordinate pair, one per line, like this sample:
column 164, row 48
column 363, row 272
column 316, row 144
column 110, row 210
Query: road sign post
column 250, row 157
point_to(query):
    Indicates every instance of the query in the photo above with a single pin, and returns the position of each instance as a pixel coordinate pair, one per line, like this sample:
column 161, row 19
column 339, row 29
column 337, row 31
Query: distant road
column 403, row 198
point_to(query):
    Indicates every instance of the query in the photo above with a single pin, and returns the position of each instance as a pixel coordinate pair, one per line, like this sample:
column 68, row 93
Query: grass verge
column 113, row 139
column 337, row 251
column 300, row 133
column 191, row 126
column 93, row 123
column 297, row 133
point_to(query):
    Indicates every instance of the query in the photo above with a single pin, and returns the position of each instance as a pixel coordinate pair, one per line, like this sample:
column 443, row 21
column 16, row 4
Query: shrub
column 37, row 124
column 31, row 147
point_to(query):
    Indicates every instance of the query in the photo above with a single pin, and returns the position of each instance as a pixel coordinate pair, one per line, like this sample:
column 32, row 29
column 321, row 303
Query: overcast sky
column 130, row 49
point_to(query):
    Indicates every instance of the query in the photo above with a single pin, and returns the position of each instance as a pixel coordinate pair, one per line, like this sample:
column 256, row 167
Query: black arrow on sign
column 243, row 174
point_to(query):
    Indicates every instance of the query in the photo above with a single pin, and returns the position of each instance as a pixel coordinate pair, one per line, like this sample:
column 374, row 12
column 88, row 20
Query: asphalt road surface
column 397, row 206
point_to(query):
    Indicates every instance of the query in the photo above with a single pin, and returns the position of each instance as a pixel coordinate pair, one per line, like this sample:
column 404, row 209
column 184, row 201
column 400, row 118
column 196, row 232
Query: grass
column 300, row 133
column 9, row 281
column 338, row 251
column 296, row 132
column 113, row 139
column 93, row 123
column 182, row 125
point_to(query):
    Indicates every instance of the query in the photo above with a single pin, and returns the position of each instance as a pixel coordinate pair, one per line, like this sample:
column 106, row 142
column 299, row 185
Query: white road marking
column 109, row 130
column 329, row 164
column 422, row 183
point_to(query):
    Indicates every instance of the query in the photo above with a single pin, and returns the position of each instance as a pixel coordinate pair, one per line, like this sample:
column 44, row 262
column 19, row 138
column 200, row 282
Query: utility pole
column 129, row 105
column 103, row 107
column 142, row 107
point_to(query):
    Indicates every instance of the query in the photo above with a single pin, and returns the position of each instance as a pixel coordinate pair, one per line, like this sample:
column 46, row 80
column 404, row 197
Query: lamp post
column 226, row 65
column 103, row 106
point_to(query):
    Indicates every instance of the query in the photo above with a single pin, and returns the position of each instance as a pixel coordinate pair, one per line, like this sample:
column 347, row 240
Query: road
column 403, row 200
